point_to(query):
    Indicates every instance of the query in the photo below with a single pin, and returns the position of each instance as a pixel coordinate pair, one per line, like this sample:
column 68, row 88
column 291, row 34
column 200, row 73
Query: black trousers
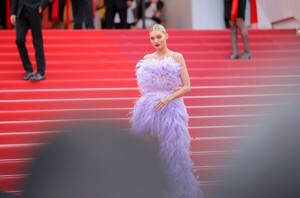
column 3, row 14
column 30, row 19
column 83, row 12
column 110, row 15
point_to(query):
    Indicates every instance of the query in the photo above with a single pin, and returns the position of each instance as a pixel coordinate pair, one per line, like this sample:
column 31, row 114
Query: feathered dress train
column 156, row 80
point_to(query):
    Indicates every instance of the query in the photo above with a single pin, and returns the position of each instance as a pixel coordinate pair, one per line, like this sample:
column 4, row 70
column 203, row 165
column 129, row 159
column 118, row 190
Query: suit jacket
column 119, row 4
column 18, row 5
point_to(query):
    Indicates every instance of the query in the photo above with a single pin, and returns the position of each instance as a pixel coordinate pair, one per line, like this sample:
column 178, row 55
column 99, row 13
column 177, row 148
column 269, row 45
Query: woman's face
column 158, row 39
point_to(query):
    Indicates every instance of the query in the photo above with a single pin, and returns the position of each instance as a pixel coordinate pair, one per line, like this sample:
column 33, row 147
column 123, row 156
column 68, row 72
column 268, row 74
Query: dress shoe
column 28, row 75
column 246, row 55
column 38, row 77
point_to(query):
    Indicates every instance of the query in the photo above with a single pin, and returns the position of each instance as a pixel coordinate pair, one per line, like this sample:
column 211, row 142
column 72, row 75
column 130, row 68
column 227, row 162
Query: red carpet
column 90, row 74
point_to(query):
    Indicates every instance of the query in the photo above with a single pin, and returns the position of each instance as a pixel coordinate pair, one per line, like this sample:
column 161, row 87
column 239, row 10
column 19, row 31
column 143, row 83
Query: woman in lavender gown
column 160, row 115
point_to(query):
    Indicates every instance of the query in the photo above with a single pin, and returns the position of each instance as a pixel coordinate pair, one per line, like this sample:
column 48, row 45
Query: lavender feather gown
column 156, row 80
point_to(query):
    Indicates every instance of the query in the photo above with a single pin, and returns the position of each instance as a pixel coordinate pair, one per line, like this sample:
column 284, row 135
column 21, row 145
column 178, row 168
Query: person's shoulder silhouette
column 95, row 161
column 269, row 164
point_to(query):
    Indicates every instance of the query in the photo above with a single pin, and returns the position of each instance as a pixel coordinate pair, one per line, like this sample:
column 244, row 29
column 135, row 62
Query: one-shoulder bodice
column 154, row 75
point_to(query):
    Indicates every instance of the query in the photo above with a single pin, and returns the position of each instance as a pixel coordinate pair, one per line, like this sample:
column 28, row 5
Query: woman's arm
column 185, row 79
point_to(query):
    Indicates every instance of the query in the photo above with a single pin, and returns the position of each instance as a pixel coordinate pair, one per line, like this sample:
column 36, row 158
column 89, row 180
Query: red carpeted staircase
column 90, row 76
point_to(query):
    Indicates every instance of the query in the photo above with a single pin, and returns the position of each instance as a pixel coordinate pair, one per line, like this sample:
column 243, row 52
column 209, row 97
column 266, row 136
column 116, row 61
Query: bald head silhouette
column 95, row 161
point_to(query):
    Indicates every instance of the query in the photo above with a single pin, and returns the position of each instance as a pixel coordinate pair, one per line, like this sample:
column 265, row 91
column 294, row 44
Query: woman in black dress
column 235, row 13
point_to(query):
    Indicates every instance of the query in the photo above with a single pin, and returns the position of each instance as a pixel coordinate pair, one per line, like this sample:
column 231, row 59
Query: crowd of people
column 130, row 14
column 27, row 15
column 119, row 14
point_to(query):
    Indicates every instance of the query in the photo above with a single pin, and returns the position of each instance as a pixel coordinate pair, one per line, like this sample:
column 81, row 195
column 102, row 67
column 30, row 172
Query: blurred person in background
column 2, row 14
column 116, row 6
column 25, row 15
column 152, row 13
column 83, row 13
column 57, row 19
column 130, row 16
column 235, row 14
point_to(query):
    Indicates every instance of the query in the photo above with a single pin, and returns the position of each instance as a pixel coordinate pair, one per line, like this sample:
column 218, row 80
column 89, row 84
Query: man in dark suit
column 27, row 14
column 113, row 6
column 83, row 12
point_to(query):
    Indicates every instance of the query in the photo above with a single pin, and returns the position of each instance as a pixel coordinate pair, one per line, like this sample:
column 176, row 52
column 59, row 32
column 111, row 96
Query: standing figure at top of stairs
column 27, row 14
column 235, row 13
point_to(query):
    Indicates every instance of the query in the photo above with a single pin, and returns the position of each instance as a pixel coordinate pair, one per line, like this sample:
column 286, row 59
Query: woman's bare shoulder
column 148, row 56
column 177, row 56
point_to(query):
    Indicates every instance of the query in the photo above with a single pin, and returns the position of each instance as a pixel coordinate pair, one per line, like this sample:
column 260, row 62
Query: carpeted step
column 90, row 77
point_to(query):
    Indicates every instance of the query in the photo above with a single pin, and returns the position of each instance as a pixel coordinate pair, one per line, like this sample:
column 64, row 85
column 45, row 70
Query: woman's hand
column 162, row 103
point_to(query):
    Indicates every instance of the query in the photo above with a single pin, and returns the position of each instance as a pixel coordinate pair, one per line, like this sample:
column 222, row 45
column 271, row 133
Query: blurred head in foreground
column 4, row 194
column 269, row 167
column 94, row 162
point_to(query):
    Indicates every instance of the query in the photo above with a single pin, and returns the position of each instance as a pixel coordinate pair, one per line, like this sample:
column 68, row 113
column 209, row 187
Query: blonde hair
column 158, row 27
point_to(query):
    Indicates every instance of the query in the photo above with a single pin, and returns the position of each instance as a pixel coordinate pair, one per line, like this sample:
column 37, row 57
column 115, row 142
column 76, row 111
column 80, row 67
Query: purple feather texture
column 156, row 80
